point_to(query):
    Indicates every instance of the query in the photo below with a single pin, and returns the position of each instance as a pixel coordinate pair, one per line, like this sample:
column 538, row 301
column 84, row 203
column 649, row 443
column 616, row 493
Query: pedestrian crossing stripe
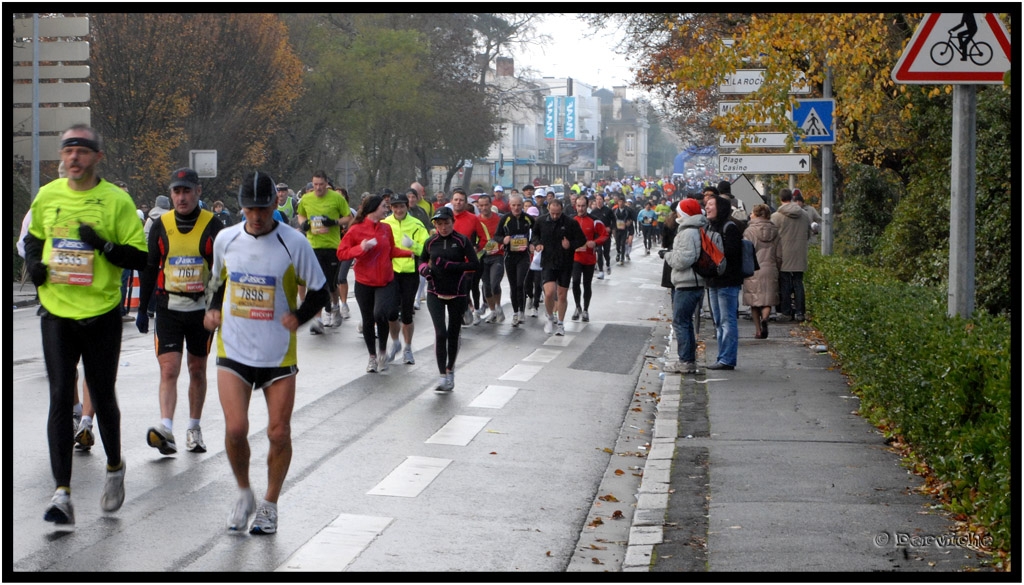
column 813, row 126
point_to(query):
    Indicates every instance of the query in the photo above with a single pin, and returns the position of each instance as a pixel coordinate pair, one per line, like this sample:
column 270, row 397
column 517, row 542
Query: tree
column 168, row 83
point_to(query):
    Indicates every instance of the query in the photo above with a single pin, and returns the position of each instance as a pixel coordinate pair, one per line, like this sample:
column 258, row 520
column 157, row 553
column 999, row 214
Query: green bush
column 942, row 383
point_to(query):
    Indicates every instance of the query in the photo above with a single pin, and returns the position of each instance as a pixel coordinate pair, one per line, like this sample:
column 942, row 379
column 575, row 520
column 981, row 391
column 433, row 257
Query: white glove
column 406, row 241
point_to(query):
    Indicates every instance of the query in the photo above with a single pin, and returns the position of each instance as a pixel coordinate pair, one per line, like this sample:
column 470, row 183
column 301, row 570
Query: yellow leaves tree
column 167, row 83
column 859, row 49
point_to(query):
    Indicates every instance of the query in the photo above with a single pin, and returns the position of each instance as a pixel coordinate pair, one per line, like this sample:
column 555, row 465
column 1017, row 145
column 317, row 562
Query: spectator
column 724, row 290
column 761, row 291
column 794, row 232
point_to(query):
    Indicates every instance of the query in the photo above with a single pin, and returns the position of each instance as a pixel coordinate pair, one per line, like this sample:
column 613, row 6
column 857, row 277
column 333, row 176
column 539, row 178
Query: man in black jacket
column 556, row 238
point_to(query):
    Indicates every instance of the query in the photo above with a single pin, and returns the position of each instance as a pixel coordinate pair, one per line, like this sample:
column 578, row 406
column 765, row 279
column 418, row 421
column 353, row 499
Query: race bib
column 252, row 296
column 491, row 247
column 518, row 243
column 317, row 225
column 185, row 274
column 620, row 224
column 71, row 262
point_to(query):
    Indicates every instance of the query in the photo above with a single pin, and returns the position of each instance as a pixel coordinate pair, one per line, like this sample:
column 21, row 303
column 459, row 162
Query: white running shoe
column 392, row 353
column 266, row 519
column 194, row 440
column 501, row 315
column 576, row 315
column 559, row 329
column 161, row 439
column 585, row 317
column 533, row 312
column 492, row 317
column 60, row 511
column 600, row 274
column 84, row 439
column 371, row 366
column 336, row 317
column 113, row 489
column 345, row 313
column 407, row 355
column 515, row 319
column 316, row 327
column 238, row 518
column 549, row 325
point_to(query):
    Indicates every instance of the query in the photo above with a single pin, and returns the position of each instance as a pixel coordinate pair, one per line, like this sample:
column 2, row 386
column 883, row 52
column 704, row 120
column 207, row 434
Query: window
column 630, row 143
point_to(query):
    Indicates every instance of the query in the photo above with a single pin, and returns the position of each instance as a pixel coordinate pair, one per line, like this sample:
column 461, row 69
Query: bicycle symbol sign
column 955, row 48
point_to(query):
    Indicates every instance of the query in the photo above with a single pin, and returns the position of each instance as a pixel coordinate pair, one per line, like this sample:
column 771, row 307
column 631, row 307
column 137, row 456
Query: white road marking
column 543, row 355
column 460, row 430
column 337, row 545
column 520, row 373
column 410, row 478
column 494, row 397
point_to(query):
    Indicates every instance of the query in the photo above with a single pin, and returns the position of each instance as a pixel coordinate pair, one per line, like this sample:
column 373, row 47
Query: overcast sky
column 576, row 51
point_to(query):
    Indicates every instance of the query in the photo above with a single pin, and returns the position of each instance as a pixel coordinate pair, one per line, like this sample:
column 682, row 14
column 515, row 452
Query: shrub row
column 941, row 383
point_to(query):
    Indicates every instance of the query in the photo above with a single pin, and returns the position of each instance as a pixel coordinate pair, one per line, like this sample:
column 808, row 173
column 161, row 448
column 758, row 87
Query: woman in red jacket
column 585, row 258
column 371, row 243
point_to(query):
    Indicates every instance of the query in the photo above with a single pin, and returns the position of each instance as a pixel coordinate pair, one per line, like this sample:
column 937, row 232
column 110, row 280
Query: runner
column 450, row 263
column 83, row 233
column 492, row 259
column 585, row 258
column 514, row 232
column 257, row 266
column 411, row 234
column 468, row 224
column 605, row 215
column 556, row 237
column 321, row 216
column 371, row 244
column 177, row 274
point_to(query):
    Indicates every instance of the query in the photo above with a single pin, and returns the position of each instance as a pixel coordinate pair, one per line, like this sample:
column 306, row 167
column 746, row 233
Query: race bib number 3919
column 252, row 296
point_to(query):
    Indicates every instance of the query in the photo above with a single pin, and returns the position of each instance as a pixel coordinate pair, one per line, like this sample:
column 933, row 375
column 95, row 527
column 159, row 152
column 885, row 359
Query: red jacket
column 372, row 267
column 594, row 230
column 468, row 224
column 486, row 231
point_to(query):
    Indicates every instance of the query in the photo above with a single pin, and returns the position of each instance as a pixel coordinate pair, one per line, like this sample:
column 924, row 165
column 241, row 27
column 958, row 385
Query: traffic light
column 568, row 86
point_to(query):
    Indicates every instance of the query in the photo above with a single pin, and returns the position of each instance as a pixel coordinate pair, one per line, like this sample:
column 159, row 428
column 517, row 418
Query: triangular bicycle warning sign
column 954, row 47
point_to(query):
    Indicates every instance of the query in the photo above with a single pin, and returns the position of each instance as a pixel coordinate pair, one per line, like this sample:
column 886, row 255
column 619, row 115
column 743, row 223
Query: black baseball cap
column 443, row 213
column 258, row 190
column 184, row 177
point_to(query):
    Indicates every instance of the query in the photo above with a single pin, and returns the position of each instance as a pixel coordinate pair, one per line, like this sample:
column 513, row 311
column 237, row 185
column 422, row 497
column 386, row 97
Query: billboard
column 570, row 118
column 550, row 120
column 579, row 155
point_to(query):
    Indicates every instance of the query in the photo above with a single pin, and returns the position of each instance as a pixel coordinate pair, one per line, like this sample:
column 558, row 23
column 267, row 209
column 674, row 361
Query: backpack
column 711, row 262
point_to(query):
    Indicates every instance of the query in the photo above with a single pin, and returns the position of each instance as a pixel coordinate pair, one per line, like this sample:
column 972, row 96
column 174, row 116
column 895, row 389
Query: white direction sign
column 750, row 80
column 724, row 107
column 764, row 164
column 757, row 139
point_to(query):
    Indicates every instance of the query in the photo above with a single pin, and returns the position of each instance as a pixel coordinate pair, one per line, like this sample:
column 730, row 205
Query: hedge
column 941, row 383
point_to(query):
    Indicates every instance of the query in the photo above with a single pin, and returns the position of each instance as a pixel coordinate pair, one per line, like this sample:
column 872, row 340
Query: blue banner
column 550, row 117
column 570, row 118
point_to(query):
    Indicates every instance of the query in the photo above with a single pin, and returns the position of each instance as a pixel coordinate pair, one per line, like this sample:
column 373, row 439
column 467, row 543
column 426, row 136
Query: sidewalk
column 24, row 296
column 770, row 468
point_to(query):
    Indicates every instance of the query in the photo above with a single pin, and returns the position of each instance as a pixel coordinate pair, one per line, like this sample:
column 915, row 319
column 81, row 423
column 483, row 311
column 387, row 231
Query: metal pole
column 35, row 105
column 826, row 181
column 961, row 204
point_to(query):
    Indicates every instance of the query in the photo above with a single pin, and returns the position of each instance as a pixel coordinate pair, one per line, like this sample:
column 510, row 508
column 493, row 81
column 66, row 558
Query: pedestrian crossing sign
column 815, row 122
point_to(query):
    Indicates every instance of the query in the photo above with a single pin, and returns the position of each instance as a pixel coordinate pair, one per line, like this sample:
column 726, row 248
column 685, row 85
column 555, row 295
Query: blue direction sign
column 815, row 121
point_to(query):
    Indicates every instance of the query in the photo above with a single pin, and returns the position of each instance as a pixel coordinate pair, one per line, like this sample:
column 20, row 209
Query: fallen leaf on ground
column 617, row 515
column 608, row 498
column 595, row 547
column 596, row 561
column 619, row 472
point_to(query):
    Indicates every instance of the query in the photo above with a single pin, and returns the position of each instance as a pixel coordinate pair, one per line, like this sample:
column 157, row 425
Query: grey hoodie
column 685, row 251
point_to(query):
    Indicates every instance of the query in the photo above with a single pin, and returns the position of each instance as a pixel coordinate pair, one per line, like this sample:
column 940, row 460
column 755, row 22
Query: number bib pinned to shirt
column 252, row 296
column 185, row 275
column 71, row 262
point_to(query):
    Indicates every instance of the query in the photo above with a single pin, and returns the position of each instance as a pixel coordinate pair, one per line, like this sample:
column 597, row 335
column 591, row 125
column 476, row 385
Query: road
column 386, row 475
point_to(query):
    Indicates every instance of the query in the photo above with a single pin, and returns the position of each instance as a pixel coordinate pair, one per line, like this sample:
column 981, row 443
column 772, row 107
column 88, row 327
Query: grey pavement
column 770, row 468
column 766, row 468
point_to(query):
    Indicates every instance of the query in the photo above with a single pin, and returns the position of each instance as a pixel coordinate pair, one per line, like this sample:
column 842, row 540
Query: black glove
column 304, row 226
column 142, row 321
column 38, row 271
column 661, row 254
column 424, row 269
column 328, row 222
column 88, row 235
